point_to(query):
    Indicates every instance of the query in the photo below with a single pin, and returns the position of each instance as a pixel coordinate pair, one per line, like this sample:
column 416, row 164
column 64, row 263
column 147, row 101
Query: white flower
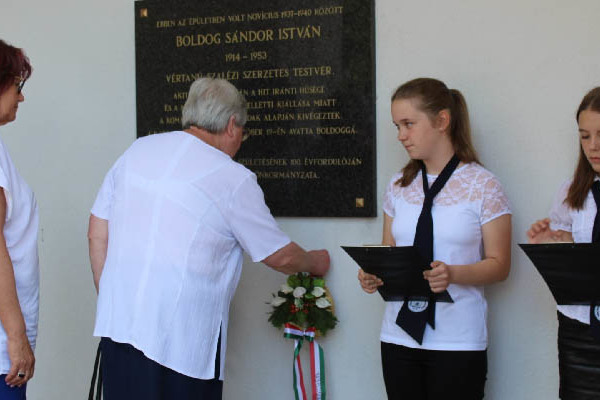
column 318, row 291
column 322, row 302
column 277, row 301
column 299, row 292
column 285, row 289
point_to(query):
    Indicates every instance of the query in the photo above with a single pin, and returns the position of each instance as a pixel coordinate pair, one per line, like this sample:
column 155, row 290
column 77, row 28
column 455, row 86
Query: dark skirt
column 128, row 374
column 417, row 374
column 578, row 360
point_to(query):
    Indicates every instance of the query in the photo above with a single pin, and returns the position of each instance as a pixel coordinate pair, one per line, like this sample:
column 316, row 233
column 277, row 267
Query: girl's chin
column 595, row 165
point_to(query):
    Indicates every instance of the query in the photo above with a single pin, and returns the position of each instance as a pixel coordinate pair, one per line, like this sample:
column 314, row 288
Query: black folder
column 400, row 269
column 571, row 270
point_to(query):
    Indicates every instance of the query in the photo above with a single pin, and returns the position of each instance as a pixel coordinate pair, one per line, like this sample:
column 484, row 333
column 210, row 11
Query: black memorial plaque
column 307, row 70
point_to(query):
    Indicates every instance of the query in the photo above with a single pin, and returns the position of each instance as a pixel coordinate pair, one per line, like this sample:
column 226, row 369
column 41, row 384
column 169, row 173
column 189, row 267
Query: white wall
column 522, row 65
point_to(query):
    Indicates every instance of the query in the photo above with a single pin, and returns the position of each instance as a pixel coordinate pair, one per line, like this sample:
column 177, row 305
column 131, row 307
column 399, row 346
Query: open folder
column 571, row 270
column 400, row 269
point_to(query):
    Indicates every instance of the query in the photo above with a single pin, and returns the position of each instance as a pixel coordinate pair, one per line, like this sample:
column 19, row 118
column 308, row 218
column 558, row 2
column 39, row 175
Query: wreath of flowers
column 305, row 301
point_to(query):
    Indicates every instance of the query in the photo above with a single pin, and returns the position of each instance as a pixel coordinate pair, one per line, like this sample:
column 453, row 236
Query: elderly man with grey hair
column 167, row 232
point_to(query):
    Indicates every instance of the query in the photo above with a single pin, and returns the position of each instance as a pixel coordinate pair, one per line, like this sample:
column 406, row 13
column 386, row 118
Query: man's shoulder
column 156, row 139
column 222, row 176
column 235, row 174
column 240, row 169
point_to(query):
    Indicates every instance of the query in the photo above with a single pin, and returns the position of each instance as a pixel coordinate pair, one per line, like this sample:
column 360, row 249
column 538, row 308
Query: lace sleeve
column 495, row 203
column 560, row 215
column 389, row 196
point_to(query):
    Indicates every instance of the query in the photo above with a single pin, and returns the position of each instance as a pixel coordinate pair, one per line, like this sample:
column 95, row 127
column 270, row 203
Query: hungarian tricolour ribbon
column 317, row 362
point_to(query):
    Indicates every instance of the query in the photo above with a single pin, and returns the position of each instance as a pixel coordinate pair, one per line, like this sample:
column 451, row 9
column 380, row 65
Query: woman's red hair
column 13, row 64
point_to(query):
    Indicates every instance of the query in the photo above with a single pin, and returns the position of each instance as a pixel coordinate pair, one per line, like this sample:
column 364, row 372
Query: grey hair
column 210, row 104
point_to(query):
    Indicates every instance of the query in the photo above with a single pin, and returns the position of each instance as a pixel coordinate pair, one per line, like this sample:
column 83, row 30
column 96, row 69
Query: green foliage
column 323, row 320
column 294, row 281
column 306, row 282
column 280, row 315
column 319, row 282
column 303, row 311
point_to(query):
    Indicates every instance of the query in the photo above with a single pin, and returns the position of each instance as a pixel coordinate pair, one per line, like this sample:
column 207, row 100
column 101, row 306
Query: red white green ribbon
column 317, row 363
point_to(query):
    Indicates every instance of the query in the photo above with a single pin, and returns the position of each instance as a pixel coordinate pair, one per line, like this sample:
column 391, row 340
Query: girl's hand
column 540, row 232
column 438, row 276
column 369, row 283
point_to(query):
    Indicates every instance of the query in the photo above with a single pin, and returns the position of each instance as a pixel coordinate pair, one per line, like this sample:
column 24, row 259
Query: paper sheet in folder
column 400, row 269
column 571, row 270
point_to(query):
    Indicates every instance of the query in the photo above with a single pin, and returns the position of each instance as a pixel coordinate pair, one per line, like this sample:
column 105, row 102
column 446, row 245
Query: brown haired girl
column 575, row 218
column 456, row 214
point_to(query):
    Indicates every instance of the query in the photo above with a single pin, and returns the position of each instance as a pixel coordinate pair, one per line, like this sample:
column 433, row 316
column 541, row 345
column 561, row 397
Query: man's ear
column 230, row 131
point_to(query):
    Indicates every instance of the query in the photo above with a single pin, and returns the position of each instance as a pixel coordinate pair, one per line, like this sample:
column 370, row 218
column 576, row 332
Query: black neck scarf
column 416, row 313
column 595, row 306
column 596, row 230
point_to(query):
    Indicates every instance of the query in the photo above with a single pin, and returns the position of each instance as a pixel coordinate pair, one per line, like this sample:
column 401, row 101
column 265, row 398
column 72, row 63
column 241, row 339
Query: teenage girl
column 574, row 218
column 471, row 246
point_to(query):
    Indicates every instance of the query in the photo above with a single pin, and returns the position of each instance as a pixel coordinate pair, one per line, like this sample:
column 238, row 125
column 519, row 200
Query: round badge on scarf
column 418, row 305
column 597, row 312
